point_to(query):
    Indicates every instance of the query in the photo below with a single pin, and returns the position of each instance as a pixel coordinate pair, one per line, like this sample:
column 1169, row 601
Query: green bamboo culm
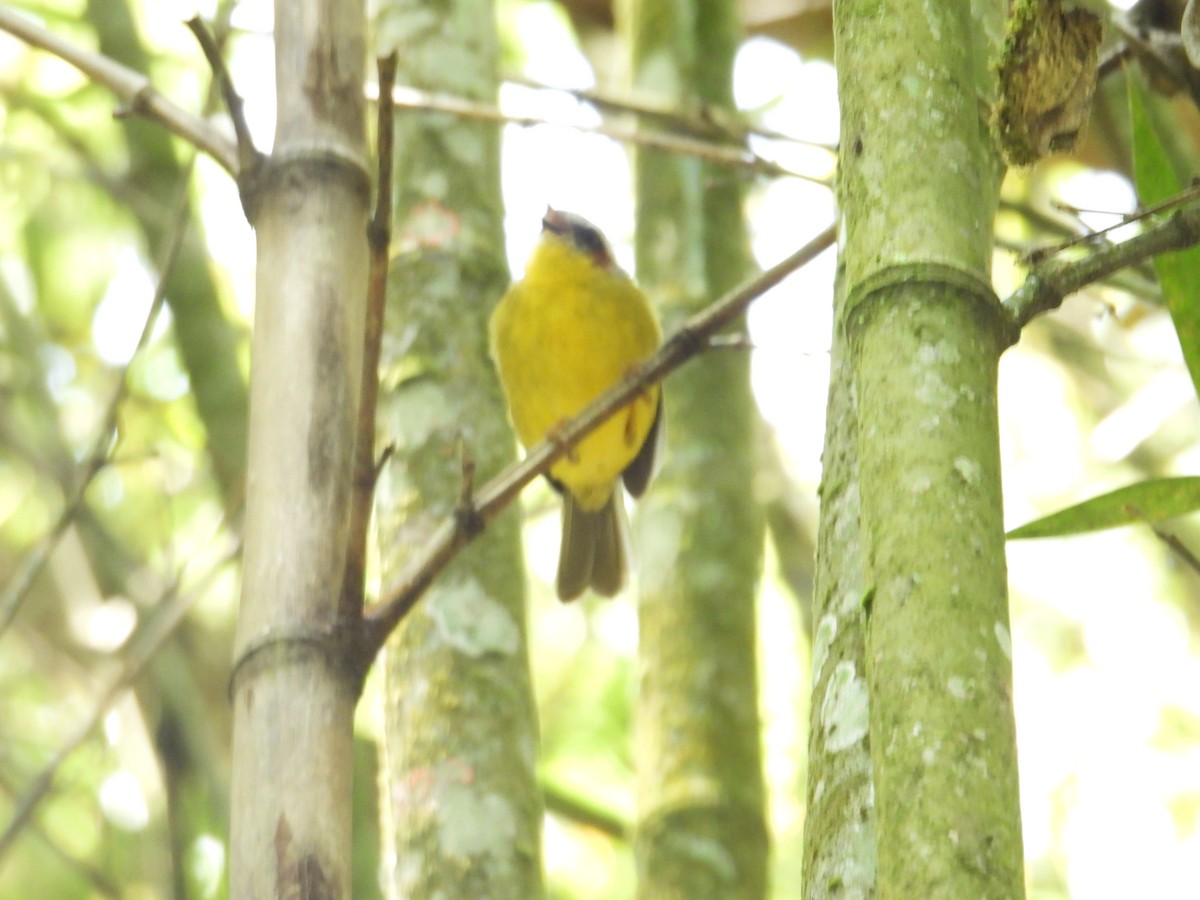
column 918, row 187
column 840, row 853
column 701, row 823
column 459, row 798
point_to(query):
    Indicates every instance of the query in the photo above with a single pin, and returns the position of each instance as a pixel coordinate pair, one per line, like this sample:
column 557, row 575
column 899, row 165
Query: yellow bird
column 574, row 326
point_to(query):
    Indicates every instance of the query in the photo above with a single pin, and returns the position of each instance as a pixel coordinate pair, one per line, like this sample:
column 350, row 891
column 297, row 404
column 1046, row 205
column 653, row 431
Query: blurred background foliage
column 120, row 470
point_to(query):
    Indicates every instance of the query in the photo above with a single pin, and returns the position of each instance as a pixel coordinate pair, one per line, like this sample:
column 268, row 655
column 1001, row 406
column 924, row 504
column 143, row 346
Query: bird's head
column 579, row 233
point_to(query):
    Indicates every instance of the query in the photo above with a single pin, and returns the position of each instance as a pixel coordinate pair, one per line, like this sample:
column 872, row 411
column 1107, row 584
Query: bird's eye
column 591, row 242
column 588, row 239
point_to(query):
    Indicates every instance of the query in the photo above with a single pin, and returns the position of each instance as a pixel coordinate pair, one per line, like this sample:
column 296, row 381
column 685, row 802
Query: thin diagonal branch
column 248, row 156
column 1048, row 283
column 728, row 155
column 1181, row 549
column 585, row 811
column 99, row 880
column 33, row 563
column 133, row 89
column 708, row 122
column 454, row 534
column 1179, row 199
column 142, row 649
column 366, row 472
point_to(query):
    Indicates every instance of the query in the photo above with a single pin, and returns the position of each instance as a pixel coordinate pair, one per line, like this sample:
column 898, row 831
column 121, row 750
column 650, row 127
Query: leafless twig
column 132, row 88
column 707, row 122
column 584, row 811
column 366, row 469
column 1179, row 199
column 142, row 649
column 1049, row 282
column 33, row 563
column 248, row 157
column 719, row 154
column 1181, row 549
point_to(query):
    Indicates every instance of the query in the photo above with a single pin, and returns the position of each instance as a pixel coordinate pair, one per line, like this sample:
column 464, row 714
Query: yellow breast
column 561, row 337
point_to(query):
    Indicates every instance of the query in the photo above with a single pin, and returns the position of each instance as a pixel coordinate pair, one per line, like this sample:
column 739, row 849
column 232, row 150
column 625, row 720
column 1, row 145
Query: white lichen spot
column 929, row 756
column 853, row 867
column 916, row 729
column 709, row 854
column 471, row 621
column 957, row 687
column 942, row 352
column 933, row 391
column 850, row 601
column 933, row 20
column 474, row 822
column 844, row 710
column 822, row 640
column 1004, row 639
column 968, row 469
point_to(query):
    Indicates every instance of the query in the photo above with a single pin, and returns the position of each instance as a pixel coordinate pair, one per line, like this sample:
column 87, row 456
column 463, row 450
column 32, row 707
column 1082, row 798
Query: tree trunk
column 293, row 695
column 918, row 186
column 462, row 814
column 840, row 856
column 701, row 821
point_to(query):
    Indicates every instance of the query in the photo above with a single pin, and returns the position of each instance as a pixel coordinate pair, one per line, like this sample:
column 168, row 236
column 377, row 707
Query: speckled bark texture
column 701, row 818
column 293, row 697
column 459, row 798
column 918, row 187
column 840, row 855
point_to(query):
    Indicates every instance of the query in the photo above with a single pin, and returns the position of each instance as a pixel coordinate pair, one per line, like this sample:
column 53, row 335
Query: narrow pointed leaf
column 1159, row 175
column 1146, row 501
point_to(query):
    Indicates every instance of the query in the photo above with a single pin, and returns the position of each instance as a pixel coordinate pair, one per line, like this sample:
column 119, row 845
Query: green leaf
column 1158, row 177
column 1146, row 501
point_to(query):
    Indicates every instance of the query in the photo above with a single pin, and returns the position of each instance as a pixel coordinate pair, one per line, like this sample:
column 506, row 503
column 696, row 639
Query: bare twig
column 132, row 88
column 585, row 812
column 366, row 469
column 143, row 648
column 1158, row 48
column 1138, row 279
column 399, row 597
column 709, row 123
column 1048, row 283
column 1181, row 549
column 248, row 157
column 1182, row 197
column 33, row 563
column 740, row 341
column 466, row 487
column 1172, row 541
column 100, row 881
column 719, row 154
column 468, row 516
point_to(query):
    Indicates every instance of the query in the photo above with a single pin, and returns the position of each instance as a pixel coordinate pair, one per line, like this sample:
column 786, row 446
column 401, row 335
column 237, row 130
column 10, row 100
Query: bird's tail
column 595, row 548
